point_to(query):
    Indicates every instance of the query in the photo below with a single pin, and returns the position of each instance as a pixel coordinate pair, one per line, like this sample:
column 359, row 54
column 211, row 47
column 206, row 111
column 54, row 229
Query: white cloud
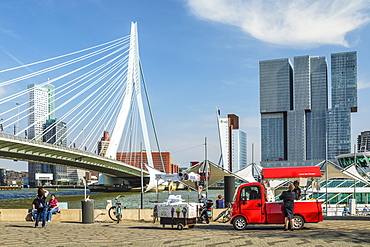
column 363, row 84
column 2, row 91
column 288, row 22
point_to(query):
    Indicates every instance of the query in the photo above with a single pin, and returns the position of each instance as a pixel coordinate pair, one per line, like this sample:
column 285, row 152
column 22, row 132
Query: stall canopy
column 216, row 173
column 291, row 172
column 334, row 171
column 249, row 172
column 152, row 181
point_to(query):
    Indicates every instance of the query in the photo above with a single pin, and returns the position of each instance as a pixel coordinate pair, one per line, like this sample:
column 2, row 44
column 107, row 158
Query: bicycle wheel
column 226, row 217
column 220, row 215
column 112, row 213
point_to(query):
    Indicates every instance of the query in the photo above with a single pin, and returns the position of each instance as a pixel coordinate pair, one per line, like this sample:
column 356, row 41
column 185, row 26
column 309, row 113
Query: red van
column 251, row 206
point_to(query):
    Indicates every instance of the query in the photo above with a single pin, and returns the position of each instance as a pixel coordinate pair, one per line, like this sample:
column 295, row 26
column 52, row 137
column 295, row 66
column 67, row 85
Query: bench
column 63, row 205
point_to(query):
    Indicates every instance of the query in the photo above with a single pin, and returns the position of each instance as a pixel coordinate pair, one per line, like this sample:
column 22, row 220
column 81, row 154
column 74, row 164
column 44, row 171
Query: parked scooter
column 205, row 212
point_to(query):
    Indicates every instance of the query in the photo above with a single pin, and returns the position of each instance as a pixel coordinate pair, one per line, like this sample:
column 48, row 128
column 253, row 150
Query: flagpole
column 206, row 165
column 141, row 177
column 326, row 176
column 354, row 185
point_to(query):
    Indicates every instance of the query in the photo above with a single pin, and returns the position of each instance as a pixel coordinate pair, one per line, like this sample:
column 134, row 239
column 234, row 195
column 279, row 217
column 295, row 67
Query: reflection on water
column 23, row 198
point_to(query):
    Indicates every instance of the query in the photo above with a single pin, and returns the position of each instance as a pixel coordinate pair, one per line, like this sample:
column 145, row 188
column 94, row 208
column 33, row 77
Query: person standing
column 288, row 197
column 220, row 203
column 53, row 207
column 39, row 203
column 297, row 190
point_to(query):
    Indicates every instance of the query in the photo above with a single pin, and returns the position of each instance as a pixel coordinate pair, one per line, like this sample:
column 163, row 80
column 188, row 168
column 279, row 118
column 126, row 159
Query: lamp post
column 18, row 118
column 141, row 177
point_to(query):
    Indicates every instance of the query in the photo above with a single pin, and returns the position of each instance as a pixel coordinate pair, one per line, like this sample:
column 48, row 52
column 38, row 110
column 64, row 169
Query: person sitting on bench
column 53, row 206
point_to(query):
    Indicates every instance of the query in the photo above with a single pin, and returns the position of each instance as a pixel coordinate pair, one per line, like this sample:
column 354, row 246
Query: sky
column 197, row 55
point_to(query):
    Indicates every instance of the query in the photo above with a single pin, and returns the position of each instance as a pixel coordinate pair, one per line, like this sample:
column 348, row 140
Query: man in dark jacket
column 297, row 190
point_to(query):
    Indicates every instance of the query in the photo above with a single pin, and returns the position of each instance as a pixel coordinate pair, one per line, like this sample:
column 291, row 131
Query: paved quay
column 339, row 231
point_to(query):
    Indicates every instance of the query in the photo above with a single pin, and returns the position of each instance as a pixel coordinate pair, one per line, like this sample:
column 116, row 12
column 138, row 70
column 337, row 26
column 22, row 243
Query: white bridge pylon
column 133, row 89
column 133, row 92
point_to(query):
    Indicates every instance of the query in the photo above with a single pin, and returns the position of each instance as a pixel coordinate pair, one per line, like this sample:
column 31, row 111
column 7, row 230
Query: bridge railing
column 21, row 139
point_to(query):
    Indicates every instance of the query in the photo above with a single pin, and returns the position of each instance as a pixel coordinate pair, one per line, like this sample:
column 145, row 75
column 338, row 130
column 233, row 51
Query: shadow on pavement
column 20, row 226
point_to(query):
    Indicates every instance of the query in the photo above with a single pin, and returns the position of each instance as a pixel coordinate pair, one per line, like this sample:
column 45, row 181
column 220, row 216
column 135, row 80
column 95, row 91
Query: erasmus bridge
column 97, row 89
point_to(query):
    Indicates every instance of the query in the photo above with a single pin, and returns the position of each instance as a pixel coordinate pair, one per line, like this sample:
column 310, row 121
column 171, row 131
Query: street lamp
column 18, row 118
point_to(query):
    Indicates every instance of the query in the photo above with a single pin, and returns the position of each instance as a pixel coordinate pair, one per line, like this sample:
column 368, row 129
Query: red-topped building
column 135, row 157
column 135, row 160
column 103, row 143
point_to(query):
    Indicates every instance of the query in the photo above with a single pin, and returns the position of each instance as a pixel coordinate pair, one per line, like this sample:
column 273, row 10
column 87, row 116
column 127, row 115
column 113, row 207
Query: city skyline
column 298, row 126
column 193, row 49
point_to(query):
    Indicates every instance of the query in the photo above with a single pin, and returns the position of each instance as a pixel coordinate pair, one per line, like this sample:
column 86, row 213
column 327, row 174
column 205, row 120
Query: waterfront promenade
column 334, row 231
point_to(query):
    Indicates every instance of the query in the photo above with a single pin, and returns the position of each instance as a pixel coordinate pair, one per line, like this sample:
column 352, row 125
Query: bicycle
column 225, row 214
column 115, row 212
column 155, row 211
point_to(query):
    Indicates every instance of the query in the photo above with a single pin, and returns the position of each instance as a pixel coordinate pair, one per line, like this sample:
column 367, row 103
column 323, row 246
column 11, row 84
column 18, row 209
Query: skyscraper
column 363, row 142
column 276, row 79
column 40, row 104
column 233, row 142
column 344, row 102
column 44, row 127
column 54, row 132
column 295, row 120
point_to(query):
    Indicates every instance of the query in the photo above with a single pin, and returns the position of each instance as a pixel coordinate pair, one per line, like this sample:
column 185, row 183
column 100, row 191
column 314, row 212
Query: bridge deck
column 17, row 148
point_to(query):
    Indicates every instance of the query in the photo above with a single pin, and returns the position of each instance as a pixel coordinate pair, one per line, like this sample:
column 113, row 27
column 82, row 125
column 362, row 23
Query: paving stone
column 331, row 232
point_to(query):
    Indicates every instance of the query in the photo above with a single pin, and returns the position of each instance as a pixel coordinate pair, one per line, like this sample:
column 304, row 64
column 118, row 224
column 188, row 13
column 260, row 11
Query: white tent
column 334, row 171
column 152, row 181
column 216, row 173
column 248, row 172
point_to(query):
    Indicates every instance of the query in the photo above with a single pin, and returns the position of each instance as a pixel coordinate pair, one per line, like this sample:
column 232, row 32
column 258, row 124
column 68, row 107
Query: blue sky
column 197, row 54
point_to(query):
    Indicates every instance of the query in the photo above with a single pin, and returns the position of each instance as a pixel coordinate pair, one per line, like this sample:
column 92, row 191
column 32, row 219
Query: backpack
column 39, row 202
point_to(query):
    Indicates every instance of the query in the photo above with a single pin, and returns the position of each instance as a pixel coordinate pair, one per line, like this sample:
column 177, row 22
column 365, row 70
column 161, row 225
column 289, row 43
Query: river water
column 22, row 199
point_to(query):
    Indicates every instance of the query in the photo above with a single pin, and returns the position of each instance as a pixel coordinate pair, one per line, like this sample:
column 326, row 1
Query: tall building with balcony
column 296, row 124
column 40, row 109
column 363, row 142
column 233, row 142
column 103, row 143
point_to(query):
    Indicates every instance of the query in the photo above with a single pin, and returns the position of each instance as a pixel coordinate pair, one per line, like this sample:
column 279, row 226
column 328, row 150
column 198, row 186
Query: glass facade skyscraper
column 296, row 123
column 344, row 101
column 276, row 79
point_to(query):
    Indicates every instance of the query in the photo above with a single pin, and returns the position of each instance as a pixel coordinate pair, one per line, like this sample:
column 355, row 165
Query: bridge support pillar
column 108, row 180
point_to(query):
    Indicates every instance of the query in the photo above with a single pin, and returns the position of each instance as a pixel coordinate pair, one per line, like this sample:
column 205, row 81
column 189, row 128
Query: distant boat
column 109, row 188
column 10, row 187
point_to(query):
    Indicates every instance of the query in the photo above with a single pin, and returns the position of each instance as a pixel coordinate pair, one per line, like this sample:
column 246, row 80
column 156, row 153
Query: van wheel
column 298, row 222
column 240, row 223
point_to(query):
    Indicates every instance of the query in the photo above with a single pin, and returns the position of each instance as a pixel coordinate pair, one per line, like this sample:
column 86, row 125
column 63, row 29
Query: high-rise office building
column 276, row 79
column 44, row 127
column 40, row 105
column 239, row 149
column 344, row 102
column 363, row 142
column 54, row 132
column 233, row 142
column 295, row 121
